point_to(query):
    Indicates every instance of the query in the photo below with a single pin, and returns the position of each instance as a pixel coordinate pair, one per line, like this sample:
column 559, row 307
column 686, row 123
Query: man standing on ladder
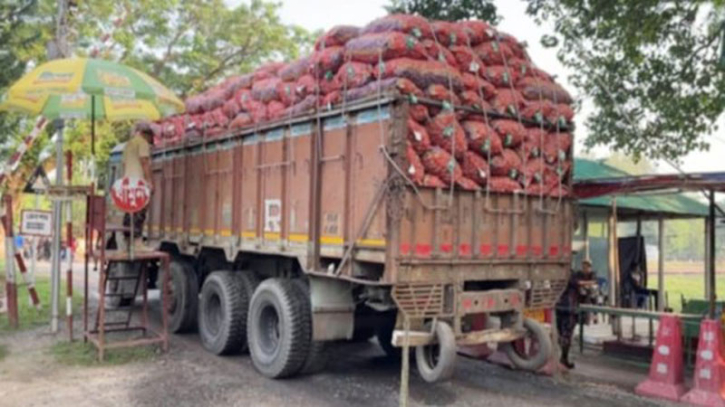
column 137, row 164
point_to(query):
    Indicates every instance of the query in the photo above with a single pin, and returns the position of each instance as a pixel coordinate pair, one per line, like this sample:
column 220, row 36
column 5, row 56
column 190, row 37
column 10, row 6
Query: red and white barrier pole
column 10, row 287
column 69, row 245
column 12, row 164
column 34, row 299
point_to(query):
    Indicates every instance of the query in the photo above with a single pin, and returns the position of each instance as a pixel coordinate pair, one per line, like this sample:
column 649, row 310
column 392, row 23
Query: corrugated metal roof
column 666, row 204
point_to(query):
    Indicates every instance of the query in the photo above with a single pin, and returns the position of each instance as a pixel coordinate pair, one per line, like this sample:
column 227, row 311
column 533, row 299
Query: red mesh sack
column 399, row 85
column 477, row 31
column 438, row 52
column 482, row 139
column 475, row 167
column 560, row 114
column 503, row 184
column 307, row 104
column 418, row 137
column 507, row 101
column 536, row 89
column 445, row 132
column 467, row 184
column 306, row 85
column 562, row 191
column 467, row 60
column 241, row 121
column 275, row 109
column 242, row 96
column 539, row 74
column 431, row 181
column 328, row 84
column 193, row 104
column 556, row 147
column 231, row 85
column 294, row 70
column 508, row 163
column 286, row 93
column 194, row 125
column 473, row 99
column 422, row 73
column 441, row 164
column 533, row 171
column 521, row 66
column 331, row 99
column 267, row 70
column 512, row 133
column 533, row 142
column 501, row 76
column 441, row 93
column 449, row 34
column 326, row 62
column 538, row 111
column 231, row 108
column 418, row 112
column 371, row 48
column 509, row 40
column 220, row 118
column 494, row 53
column 256, row 109
column 353, row 75
column 265, row 90
column 337, row 36
column 414, row 25
column 213, row 100
column 474, row 83
column 415, row 169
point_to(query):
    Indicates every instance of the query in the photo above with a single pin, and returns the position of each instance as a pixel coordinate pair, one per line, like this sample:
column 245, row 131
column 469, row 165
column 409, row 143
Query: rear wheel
column 437, row 362
column 222, row 312
column 183, row 297
column 278, row 329
column 317, row 356
column 533, row 350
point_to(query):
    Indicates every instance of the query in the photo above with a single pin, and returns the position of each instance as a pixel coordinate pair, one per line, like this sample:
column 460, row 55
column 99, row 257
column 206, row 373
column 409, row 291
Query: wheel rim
column 432, row 354
column 214, row 314
column 269, row 328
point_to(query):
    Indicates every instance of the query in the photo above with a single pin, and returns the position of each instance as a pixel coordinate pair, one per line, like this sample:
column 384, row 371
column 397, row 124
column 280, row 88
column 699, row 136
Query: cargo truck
column 292, row 234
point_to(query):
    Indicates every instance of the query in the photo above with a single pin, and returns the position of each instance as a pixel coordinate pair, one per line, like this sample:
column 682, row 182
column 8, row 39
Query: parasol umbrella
column 91, row 89
column 86, row 88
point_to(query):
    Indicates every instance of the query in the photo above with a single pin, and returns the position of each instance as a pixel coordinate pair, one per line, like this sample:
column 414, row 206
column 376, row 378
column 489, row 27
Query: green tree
column 650, row 67
column 449, row 10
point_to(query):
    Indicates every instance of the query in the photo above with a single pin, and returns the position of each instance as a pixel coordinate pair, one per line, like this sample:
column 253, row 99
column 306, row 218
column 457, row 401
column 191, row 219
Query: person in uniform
column 579, row 289
column 137, row 163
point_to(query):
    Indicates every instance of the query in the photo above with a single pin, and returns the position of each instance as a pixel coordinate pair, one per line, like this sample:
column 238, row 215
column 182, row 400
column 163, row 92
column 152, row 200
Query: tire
column 317, row 356
column 223, row 308
column 278, row 329
column 539, row 341
column 384, row 333
column 124, row 287
column 248, row 283
column 438, row 362
column 183, row 304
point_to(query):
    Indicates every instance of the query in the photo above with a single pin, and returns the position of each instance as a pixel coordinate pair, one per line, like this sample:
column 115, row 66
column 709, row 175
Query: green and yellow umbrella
column 84, row 88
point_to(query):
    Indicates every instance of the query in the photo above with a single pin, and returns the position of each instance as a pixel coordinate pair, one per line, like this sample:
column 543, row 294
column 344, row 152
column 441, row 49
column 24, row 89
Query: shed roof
column 665, row 204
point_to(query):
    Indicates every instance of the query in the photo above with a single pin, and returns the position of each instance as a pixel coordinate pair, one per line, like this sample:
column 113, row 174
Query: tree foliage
column 449, row 10
column 650, row 67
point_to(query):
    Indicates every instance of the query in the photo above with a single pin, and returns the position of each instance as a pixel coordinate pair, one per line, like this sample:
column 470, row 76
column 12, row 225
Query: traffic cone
column 666, row 373
column 709, row 388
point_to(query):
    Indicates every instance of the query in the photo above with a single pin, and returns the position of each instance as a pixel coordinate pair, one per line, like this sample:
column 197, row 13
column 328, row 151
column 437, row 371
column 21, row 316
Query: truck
column 289, row 235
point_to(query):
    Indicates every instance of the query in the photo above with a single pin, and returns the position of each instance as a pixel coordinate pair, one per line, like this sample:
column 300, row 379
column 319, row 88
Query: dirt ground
column 357, row 375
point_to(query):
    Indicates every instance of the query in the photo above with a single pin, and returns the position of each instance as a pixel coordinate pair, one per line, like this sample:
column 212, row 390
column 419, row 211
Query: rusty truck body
column 320, row 205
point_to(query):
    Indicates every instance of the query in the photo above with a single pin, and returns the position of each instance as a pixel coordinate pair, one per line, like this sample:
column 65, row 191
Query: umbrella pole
column 93, row 140
column 57, row 228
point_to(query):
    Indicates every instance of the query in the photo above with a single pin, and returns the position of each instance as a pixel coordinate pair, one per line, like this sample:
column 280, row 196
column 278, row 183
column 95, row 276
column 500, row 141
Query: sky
column 325, row 14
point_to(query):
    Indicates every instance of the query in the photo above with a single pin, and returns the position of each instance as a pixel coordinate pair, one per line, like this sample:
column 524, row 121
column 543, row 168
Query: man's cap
column 587, row 261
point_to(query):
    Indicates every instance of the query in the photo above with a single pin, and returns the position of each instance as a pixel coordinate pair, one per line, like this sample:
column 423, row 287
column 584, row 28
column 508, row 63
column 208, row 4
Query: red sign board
column 130, row 194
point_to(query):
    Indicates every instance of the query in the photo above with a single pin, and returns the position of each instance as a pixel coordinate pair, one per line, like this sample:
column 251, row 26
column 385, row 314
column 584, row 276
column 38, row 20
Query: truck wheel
column 222, row 312
column 437, row 362
column 248, row 282
column 317, row 356
column 278, row 329
column 184, row 297
column 384, row 333
column 533, row 350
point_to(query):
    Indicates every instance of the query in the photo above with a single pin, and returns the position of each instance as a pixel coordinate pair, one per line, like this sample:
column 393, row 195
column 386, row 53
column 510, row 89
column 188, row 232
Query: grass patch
column 3, row 352
column 31, row 317
column 689, row 286
column 84, row 354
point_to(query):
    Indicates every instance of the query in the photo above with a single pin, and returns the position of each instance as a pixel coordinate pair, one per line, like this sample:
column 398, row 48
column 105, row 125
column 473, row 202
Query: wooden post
column 711, row 257
column 11, row 289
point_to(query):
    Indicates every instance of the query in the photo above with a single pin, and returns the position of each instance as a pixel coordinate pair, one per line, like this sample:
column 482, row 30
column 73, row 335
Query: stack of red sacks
column 512, row 140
